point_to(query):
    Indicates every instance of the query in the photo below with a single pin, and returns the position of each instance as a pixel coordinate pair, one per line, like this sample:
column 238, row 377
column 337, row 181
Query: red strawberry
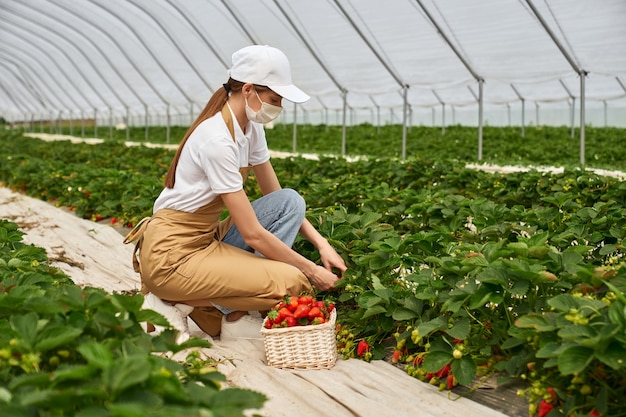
column 362, row 347
column 290, row 321
column 544, row 408
column 305, row 299
column 292, row 303
column 451, row 381
column 396, row 356
column 302, row 311
column 284, row 312
column 318, row 320
column 443, row 372
column 315, row 312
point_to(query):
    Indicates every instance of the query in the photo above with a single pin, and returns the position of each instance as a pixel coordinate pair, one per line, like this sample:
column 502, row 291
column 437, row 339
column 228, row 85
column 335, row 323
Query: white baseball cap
column 268, row 66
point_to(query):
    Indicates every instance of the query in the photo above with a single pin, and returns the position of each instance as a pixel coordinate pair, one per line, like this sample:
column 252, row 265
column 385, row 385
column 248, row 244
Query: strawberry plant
column 70, row 351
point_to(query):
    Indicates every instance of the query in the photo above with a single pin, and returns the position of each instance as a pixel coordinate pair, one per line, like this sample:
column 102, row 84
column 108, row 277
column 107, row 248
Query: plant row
column 539, row 146
column 70, row 351
column 453, row 273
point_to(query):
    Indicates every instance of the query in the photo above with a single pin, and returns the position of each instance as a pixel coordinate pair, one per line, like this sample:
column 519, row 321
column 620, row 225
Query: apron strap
column 136, row 234
column 228, row 119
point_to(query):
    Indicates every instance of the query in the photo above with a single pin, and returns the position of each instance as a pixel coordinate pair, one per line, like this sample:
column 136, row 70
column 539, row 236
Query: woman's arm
column 266, row 178
column 268, row 182
column 258, row 238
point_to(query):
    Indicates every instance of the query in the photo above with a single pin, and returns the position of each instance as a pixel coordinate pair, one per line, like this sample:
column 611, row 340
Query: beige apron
column 180, row 257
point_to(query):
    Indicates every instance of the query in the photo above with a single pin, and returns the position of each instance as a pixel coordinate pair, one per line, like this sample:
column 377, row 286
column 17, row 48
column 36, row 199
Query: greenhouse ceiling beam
column 87, row 55
column 175, row 43
column 306, row 43
column 235, row 15
column 33, row 70
column 158, row 62
column 390, row 70
column 16, row 100
column 621, row 83
column 24, row 85
column 26, row 74
column 579, row 70
column 105, row 33
column 209, row 44
column 479, row 79
column 343, row 91
column 54, row 46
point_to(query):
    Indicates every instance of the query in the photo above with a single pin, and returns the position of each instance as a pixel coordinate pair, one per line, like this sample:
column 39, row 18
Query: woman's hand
column 331, row 259
column 322, row 278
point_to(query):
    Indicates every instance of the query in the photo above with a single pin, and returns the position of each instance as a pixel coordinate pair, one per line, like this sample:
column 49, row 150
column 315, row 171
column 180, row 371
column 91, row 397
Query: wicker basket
column 302, row 347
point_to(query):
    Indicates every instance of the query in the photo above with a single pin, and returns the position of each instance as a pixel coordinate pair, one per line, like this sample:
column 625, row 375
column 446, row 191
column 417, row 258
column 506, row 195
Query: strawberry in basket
column 303, row 310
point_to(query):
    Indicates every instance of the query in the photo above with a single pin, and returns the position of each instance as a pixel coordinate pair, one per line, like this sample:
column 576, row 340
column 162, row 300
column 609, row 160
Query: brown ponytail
column 215, row 104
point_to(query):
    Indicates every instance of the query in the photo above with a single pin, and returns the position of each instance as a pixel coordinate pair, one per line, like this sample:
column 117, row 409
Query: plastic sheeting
column 153, row 59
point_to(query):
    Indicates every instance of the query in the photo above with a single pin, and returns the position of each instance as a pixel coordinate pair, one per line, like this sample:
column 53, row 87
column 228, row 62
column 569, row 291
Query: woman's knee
column 292, row 200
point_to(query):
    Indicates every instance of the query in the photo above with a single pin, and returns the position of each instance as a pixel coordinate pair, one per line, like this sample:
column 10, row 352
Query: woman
column 226, row 269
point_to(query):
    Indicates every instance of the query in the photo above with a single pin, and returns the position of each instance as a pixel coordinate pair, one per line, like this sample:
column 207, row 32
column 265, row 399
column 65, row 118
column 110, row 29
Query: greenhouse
column 465, row 160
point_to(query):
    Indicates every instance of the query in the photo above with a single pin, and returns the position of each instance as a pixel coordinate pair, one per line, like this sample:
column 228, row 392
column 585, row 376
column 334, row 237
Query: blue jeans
column 281, row 212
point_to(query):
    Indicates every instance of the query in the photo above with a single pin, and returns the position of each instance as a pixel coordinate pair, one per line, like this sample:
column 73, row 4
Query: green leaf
column 54, row 336
column 536, row 321
column 96, row 354
column 520, row 287
column 574, row 359
column 26, row 327
column 519, row 248
column 403, row 314
column 414, row 304
column 464, row 370
column 372, row 311
column 73, row 373
column 155, row 318
column 32, row 380
column 376, row 284
column 563, row 302
column 435, row 360
column 614, row 356
column 369, row 218
column 126, row 372
column 512, row 342
column 229, row 401
column 548, row 351
column 438, row 323
column 460, row 330
column 127, row 302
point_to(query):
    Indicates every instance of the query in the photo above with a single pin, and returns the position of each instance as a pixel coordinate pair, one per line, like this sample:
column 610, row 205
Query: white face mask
column 266, row 114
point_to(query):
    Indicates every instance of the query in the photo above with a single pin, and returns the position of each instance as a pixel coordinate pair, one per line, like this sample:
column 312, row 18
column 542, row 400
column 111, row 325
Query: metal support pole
column 169, row 120
column 344, row 93
column 481, row 83
column 582, row 119
column 145, row 123
column 127, row 124
column 404, row 119
column 523, row 100
column 111, row 122
column 294, row 136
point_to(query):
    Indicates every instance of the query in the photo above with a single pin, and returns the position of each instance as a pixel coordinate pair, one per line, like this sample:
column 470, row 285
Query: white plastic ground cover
column 119, row 58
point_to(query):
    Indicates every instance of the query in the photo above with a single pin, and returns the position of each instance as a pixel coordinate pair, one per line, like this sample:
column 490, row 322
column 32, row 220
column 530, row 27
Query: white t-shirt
column 210, row 161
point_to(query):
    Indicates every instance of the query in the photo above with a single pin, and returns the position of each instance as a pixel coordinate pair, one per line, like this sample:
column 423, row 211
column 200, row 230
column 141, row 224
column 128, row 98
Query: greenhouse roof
column 160, row 56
